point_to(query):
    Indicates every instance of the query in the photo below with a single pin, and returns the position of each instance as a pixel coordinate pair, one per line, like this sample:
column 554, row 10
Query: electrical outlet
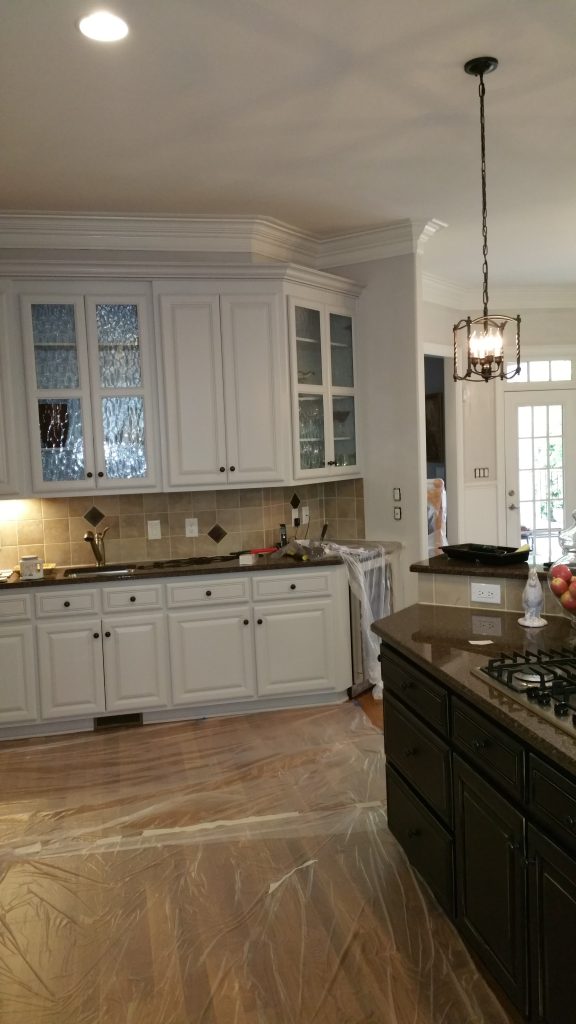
column 488, row 593
column 191, row 527
column 397, row 512
column 296, row 516
column 305, row 515
column 486, row 625
column 154, row 529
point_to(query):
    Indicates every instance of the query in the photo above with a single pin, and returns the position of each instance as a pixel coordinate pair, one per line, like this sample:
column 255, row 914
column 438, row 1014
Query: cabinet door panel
column 18, row 681
column 212, row 655
column 70, row 668
column 553, row 930
column 194, row 402
column 422, row 758
column 136, row 662
column 491, row 886
column 252, row 396
column 295, row 648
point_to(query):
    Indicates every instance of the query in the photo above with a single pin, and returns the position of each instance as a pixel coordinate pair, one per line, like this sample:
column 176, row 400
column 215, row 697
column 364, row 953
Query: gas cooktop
column 545, row 680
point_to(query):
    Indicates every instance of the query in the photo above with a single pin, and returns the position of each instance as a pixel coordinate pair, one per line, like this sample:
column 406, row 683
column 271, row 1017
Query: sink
column 181, row 563
column 82, row 571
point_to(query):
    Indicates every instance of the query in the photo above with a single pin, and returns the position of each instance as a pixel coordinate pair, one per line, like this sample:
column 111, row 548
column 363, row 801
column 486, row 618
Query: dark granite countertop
column 151, row 570
column 459, row 567
column 436, row 637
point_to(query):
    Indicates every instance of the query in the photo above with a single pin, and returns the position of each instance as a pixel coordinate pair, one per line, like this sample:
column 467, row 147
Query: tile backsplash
column 53, row 528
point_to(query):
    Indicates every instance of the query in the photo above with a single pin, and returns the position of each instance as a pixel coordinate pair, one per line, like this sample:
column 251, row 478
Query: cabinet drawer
column 552, row 799
column 422, row 758
column 302, row 583
column 428, row 846
column 423, row 695
column 132, row 597
column 62, row 602
column 496, row 753
column 15, row 606
column 208, row 591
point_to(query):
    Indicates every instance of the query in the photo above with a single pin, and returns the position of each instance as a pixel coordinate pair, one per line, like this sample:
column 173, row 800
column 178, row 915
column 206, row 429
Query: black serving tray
column 486, row 554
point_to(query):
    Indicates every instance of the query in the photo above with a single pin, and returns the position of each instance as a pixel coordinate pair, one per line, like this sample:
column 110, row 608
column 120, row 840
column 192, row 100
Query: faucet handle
column 104, row 532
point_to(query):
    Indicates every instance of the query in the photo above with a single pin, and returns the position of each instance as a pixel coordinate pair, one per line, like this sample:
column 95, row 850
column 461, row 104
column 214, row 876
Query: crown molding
column 398, row 239
column 441, row 292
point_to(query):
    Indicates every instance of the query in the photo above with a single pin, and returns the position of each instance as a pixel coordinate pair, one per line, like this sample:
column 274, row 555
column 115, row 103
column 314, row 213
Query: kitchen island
column 481, row 787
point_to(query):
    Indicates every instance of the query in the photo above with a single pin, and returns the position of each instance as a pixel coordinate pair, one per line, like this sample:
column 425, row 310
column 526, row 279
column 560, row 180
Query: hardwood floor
column 226, row 871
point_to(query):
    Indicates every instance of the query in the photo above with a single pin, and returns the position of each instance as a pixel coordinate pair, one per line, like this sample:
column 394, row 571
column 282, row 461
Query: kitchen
column 114, row 238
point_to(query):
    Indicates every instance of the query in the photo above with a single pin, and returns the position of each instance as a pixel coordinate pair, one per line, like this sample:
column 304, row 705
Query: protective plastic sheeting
column 232, row 871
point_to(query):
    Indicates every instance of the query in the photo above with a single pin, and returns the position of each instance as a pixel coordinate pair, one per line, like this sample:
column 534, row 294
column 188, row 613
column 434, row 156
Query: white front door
column 540, row 432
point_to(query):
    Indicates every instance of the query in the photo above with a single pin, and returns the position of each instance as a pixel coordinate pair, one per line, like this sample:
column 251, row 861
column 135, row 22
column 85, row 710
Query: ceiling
column 329, row 115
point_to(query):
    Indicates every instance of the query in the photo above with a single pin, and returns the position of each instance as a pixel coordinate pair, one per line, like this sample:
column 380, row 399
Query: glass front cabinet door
column 324, row 414
column 88, row 375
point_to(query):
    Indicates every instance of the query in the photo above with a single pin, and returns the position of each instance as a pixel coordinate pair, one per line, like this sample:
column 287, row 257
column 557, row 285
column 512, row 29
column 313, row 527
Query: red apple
column 562, row 572
column 568, row 601
column 558, row 586
column 572, row 587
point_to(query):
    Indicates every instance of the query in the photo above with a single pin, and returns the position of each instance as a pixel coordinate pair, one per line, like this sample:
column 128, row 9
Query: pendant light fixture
column 484, row 348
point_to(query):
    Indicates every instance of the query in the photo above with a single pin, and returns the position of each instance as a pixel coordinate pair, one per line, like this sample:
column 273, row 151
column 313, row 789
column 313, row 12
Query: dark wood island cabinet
column 482, row 798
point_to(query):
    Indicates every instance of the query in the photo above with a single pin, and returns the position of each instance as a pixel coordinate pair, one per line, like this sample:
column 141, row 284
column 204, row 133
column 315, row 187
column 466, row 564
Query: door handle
column 512, row 507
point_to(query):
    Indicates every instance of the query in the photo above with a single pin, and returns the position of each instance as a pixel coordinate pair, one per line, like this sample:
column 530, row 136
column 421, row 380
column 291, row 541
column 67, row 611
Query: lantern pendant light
column 485, row 354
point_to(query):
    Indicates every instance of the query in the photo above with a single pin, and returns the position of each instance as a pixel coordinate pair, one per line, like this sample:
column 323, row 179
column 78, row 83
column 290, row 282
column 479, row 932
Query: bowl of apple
column 562, row 583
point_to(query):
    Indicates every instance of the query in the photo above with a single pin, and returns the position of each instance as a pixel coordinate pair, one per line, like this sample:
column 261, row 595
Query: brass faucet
column 96, row 542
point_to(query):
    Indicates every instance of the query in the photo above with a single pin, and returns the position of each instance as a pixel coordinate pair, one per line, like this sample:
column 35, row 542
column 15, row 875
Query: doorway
column 540, row 468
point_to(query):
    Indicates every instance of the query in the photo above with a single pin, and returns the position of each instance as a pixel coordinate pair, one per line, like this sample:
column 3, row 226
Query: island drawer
column 15, row 606
column 303, row 583
column 421, row 757
column 76, row 601
column 128, row 598
column 552, row 800
column 423, row 695
column 427, row 844
column 210, row 590
column 492, row 749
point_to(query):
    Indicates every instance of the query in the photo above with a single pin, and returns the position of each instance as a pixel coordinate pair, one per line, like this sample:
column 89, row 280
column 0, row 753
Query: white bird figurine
column 532, row 601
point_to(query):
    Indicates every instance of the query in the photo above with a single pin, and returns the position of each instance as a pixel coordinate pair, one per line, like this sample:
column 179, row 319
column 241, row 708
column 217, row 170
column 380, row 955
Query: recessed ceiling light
column 103, row 26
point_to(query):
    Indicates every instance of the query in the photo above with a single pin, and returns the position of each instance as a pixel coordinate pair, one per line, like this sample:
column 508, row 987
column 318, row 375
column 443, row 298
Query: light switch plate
column 397, row 512
column 191, row 527
column 154, row 529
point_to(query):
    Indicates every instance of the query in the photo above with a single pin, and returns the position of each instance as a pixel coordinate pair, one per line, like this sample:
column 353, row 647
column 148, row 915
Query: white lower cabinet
column 295, row 647
column 71, row 668
column 212, row 655
column 136, row 662
column 18, row 679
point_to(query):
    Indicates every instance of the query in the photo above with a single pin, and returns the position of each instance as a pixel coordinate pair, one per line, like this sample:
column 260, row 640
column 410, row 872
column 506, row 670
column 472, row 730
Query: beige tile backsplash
column 53, row 528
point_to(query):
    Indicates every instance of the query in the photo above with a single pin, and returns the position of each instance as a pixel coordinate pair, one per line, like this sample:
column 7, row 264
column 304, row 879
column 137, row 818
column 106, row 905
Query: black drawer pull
column 480, row 744
column 100, row 474
column 132, row 598
column 292, row 586
column 570, row 821
column 222, row 469
column 232, row 469
column 89, row 475
column 411, row 752
column 413, row 833
column 96, row 636
column 66, row 604
column 107, row 634
column 208, row 593
column 246, row 622
column 405, row 685
column 259, row 621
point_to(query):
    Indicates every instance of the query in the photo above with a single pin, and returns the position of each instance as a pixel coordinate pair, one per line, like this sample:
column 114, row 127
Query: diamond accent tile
column 94, row 516
column 295, row 500
column 217, row 533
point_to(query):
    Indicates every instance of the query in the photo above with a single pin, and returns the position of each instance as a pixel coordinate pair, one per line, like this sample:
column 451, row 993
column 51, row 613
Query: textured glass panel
column 560, row 369
column 124, row 440
column 525, row 421
column 525, row 485
column 341, row 351
column 555, row 420
column 527, row 514
column 61, row 439
column 118, row 345
column 311, row 422
column 555, row 452
column 344, row 431
column 308, row 346
column 54, row 334
column 539, row 370
column 525, row 453
column 540, row 421
column 540, row 453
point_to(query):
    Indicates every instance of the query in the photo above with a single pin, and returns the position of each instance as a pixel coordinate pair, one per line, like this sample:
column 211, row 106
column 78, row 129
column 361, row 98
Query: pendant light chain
column 481, row 93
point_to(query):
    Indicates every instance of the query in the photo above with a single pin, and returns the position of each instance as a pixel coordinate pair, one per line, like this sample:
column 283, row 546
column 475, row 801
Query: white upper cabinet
column 10, row 458
column 226, row 407
column 91, row 389
column 324, row 411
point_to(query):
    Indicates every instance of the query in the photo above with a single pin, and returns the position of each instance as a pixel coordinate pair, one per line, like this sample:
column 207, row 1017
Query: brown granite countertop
column 459, row 567
column 151, row 570
column 436, row 637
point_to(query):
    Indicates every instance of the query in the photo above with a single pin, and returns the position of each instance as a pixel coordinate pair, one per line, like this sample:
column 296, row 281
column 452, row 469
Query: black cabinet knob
column 413, row 833
column 246, row 622
column 331, row 462
column 96, row 635
column 66, row 604
column 570, row 821
column 292, row 586
column 89, row 475
column 132, row 598
column 480, row 744
column 222, row 469
column 259, row 621
column 108, row 634
column 232, row 469
column 100, row 474
column 208, row 593
column 411, row 752
column 404, row 685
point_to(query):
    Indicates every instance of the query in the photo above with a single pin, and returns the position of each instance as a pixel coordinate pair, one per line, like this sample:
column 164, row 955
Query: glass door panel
column 124, row 437
column 61, row 438
column 311, row 431
column 344, row 431
column 308, row 345
column 55, row 345
column 341, row 351
column 118, row 335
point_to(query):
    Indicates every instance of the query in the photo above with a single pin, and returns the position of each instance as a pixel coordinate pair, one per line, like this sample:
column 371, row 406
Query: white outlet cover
column 154, row 529
column 191, row 527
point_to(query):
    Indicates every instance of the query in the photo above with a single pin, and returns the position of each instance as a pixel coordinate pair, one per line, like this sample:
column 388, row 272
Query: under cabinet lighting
column 103, row 27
